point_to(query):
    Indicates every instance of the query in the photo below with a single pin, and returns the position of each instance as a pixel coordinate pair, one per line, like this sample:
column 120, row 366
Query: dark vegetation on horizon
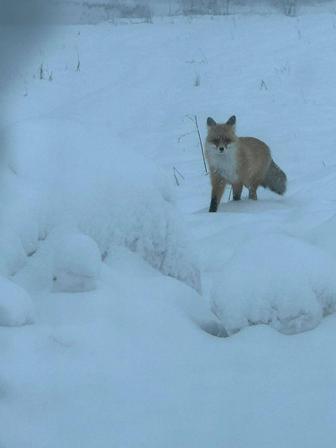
column 94, row 11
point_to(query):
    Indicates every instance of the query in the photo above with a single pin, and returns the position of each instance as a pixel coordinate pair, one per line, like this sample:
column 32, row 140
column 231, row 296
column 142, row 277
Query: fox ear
column 211, row 122
column 232, row 121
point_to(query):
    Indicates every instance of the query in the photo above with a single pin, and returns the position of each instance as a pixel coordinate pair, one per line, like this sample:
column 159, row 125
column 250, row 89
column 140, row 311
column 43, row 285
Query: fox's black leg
column 237, row 191
column 253, row 192
column 213, row 204
column 218, row 186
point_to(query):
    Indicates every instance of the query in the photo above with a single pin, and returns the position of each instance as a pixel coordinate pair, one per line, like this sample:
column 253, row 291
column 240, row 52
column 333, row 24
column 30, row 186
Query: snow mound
column 276, row 280
column 12, row 255
column 81, row 177
column 324, row 236
column 16, row 307
column 77, row 263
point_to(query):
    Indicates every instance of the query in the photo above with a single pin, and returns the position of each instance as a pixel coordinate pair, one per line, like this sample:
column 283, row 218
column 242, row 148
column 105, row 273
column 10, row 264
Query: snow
column 82, row 179
column 143, row 356
column 322, row 235
column 16, row 307
column 277, row 280
column 12, row 253
column 77, row 263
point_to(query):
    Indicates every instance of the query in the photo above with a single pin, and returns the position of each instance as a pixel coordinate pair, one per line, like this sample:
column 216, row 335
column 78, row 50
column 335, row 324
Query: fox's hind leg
column 253, row 192
column 218, row 186
column 237, row 191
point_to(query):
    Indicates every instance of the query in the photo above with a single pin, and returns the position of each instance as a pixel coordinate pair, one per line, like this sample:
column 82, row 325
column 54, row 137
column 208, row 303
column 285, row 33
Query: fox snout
column 221, row 144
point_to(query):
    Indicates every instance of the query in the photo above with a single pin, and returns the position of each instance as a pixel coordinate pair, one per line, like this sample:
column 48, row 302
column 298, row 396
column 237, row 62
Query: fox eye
column 215, row 141
column 227, row 141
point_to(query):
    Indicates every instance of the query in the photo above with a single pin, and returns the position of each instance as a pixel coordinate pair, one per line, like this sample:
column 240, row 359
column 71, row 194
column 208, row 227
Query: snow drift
column 77, row 263
column 82, row 179
column 276, row 280
column 16, row 307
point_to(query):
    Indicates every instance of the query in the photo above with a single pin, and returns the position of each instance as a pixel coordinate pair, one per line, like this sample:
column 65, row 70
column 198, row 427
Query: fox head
column 221, row 135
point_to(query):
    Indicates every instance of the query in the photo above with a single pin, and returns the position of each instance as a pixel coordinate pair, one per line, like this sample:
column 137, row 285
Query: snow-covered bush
column 276, row 280
column 77, row 263
column 16, row 307
column 86, row 180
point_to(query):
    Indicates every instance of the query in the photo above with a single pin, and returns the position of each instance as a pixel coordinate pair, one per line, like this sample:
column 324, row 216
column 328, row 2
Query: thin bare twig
column 181, row 137
column 194, row 119
column 78, row 67
column 176, row 179
column 177, row 172
column 263, row 85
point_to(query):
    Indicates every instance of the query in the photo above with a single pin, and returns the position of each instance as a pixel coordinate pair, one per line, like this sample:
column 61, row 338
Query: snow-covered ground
column 129, row 316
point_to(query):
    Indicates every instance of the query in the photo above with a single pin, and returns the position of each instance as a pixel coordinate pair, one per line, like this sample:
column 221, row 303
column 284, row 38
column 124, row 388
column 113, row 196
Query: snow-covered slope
column 105, row 163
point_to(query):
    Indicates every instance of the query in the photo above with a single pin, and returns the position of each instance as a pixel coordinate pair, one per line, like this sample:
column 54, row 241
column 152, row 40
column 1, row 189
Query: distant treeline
column 146, row 9
column 94, row 11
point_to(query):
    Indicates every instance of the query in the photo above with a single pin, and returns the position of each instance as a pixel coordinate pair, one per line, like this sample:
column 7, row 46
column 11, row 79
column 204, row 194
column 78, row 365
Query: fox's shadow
column 247, row 206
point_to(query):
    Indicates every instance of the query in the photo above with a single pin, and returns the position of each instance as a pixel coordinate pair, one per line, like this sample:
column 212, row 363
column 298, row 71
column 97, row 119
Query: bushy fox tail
column 275, row 179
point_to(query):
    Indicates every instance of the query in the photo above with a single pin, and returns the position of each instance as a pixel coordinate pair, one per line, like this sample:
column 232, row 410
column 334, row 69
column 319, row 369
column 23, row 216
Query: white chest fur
column 224, row 163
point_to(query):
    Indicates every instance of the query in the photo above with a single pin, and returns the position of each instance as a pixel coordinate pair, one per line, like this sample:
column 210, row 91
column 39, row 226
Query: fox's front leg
column 237, row 191
column 218, row 186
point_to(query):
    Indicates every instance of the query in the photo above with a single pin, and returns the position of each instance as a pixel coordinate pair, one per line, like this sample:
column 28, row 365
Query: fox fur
column 239, row 161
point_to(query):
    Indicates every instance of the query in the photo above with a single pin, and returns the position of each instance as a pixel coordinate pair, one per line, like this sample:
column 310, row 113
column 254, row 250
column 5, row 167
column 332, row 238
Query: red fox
column 239, row 161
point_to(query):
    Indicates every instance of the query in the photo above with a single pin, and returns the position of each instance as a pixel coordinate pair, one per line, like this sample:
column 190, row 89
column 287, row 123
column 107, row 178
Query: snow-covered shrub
column 276, row 280
column 77, row 263
column 85, row 179
column 16, row 307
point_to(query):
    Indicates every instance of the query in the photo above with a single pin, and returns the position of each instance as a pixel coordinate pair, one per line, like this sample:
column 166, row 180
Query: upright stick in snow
column 193, row 118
